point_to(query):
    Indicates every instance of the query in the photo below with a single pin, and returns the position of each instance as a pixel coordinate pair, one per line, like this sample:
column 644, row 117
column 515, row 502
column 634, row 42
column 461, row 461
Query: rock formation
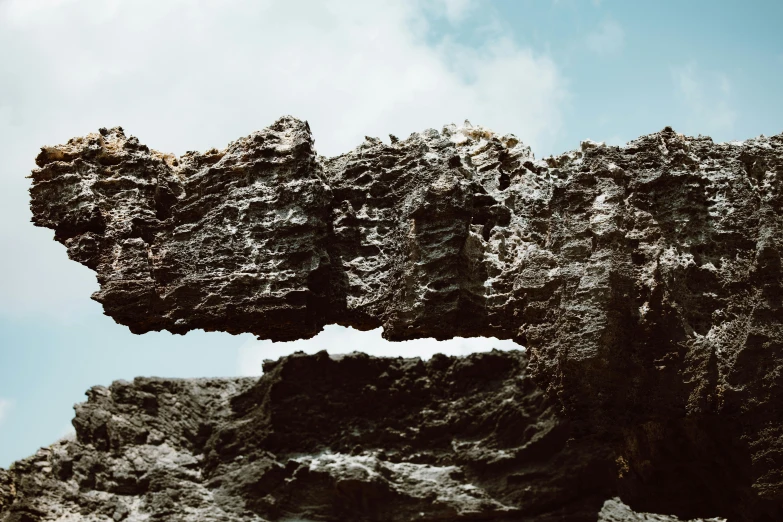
column 321, row 438
column 644, row 281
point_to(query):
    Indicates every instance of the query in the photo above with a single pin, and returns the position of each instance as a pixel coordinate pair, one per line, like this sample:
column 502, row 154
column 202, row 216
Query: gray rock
column 614, row 510
column 319, row 438
column 645, row 280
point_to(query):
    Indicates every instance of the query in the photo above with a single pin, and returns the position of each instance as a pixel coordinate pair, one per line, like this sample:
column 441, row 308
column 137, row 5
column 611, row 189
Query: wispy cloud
column 338, row 339
column 5, row 409
column 707, row 96
column 607, row 39
column 455, row 11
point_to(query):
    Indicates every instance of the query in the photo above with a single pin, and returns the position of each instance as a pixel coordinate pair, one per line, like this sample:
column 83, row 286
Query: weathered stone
column 322, row 438
column 164, row 231
column 645, row 280
column 615, row 511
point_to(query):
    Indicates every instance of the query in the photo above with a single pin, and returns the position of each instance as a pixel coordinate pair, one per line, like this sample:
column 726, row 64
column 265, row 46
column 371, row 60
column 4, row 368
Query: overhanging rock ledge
column 644, row 280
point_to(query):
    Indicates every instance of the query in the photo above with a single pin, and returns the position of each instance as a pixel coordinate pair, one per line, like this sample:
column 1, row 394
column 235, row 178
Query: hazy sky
column 195, row 74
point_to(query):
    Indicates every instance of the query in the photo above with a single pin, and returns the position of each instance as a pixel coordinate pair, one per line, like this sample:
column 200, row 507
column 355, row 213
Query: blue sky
column 185, row 75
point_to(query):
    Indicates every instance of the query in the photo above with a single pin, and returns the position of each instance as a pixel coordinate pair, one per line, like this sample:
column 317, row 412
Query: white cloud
column 706, row 95
column 5, row 409
column 607, row 39
column 339, row 339
column 189, row 75
column 455, row 11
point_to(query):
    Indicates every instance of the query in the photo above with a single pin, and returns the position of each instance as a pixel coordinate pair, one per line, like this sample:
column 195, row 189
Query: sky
column 194, row 74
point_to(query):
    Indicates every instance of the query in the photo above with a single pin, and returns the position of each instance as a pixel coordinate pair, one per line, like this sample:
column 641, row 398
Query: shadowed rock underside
column 644, row 280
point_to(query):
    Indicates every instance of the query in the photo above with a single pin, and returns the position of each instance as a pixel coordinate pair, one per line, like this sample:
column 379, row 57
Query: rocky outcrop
column 320, row 438
column 645, row 280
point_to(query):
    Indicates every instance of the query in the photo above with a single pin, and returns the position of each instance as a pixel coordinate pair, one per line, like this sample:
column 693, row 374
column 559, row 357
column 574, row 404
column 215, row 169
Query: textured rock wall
column 644, row 280
column 320, row 438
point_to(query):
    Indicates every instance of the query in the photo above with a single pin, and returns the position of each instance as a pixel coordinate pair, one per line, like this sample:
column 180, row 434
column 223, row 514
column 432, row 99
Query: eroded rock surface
column 644, row 280
column 320, row 438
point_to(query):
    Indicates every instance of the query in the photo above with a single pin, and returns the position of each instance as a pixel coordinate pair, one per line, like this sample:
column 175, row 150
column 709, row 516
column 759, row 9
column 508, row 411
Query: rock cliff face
column 645, row 282
column 320, row 438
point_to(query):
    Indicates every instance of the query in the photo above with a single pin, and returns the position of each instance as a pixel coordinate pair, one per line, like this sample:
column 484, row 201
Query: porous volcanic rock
column 644, row 280
column 319, row 438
